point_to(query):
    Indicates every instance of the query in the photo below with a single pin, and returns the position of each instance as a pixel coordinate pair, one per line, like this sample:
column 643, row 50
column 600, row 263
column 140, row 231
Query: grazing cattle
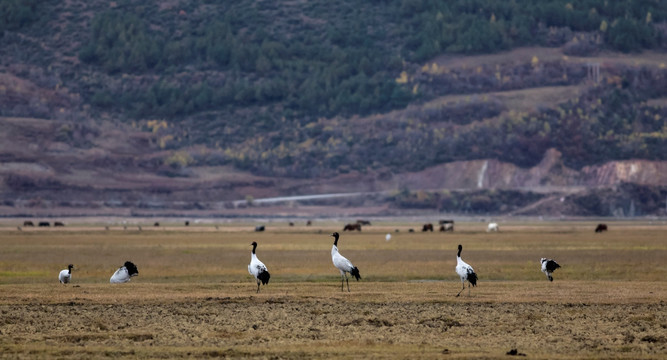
column 441, row 222
column 447, row 227
column 411, row 230
column 187, row 223
column 352, row 227
column 601, row 228
column 260, row 228
column 156, row 224
column 28, row 223
column 492, row 227
column 44, row 224
column 427, row 227
column 58, row 223
column 291, row 223
column 308, row 223
column 363, row 222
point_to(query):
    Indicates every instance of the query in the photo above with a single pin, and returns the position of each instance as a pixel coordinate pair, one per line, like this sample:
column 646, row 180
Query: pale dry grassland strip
column 574, row 292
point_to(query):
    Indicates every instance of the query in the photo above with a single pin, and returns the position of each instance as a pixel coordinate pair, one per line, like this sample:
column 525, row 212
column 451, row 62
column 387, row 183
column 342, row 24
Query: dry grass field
column 193, row 297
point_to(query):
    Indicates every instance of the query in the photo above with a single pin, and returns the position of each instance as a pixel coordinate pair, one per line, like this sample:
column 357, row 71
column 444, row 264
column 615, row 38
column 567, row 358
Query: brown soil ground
column 384, row 320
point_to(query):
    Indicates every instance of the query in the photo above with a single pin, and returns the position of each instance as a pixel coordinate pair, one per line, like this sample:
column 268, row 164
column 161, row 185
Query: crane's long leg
column 348, row 283
column 341, row 282
column 468, row 289
column 463, row 288
column 257, row 286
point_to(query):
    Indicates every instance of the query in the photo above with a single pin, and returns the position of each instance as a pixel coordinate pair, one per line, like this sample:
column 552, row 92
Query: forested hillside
column 318, row 88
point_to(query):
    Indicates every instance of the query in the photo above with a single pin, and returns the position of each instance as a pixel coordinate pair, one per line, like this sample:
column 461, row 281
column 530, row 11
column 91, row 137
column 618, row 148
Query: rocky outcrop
column 551, row 172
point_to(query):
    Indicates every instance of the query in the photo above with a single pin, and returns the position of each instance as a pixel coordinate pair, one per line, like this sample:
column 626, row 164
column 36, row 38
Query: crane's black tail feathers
column 264, row 277
column 472, row 278
column 355, row 272
column 552, row 266
column 131, row 268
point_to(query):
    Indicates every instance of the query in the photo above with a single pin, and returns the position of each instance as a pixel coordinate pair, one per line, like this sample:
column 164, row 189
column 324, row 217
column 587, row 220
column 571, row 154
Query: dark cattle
column 187, row 223
column 308, row 223
column 442, row 222
column 352, row 227
column 44, row 224
column 363, row 222
column 427, row 227
column 447, row 227
column 28, row 223
column 291, row 223
column 156, row 224
column 411, row 230
column 259, row 228
column 58, row 223
column 601, row 228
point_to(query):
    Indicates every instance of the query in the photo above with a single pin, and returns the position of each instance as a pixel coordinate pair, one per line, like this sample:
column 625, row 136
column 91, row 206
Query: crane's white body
column 255, row 267
column 340, row 262
column 120, row 276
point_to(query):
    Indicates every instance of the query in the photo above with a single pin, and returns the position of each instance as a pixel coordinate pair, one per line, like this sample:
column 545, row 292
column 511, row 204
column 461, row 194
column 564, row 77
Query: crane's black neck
column 254, row 246
column 335, row 236
column 69, row 268
column 460, row 248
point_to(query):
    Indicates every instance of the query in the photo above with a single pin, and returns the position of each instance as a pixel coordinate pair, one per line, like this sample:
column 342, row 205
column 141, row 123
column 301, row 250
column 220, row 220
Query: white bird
column 548, row 267
column 124, row 273
column 343, row 264
column 465, row 272
column 493, row 227
column 65, row 276
column 257, row 269
column 387, row 237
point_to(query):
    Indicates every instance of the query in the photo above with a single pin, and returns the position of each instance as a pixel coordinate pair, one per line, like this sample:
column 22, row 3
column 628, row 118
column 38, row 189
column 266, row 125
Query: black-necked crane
column 124, row 273
column 65, row 276
column 548, row 267
column 343, row 264
column 257, row 269
column 465, row 272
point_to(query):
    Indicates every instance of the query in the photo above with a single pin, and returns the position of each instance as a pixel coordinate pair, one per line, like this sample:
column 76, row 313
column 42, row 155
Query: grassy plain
column 194, row 298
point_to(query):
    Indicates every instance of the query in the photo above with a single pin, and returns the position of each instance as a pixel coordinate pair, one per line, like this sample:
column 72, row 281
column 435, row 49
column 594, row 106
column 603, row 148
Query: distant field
column 194, row 298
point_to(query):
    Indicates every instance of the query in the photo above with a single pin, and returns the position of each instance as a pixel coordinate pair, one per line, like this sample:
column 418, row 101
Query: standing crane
column 257, row 268
column 465, row 272
column 343, row 264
